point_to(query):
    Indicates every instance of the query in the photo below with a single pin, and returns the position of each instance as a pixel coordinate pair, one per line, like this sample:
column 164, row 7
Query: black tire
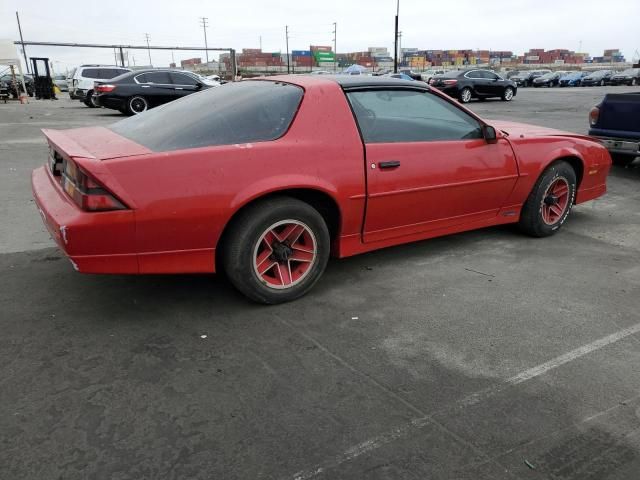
column 244, row 236
column 622, row 160
column 634, row 82
column 88, row 100
column 137, row 104
column 507, row 94
column 531, row 218
column 465, row 95
column 602, row 83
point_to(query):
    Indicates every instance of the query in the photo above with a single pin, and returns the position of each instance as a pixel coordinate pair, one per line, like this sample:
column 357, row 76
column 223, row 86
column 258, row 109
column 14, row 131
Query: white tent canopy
column 9, row 56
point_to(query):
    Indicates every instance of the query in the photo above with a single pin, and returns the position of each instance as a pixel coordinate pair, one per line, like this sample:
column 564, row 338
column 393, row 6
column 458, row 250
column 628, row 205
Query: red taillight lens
column 450, row 82
column 86, row 192
column 104, row 88
column 593, row 116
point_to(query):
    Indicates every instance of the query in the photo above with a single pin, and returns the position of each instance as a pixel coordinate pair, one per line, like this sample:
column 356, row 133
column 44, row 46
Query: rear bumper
column 107, row 101
column 621, row 146
column 95, row 242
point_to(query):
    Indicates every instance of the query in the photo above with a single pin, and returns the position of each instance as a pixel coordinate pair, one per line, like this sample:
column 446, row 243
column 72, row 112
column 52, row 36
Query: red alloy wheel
column 555, row 201
column 285, row 254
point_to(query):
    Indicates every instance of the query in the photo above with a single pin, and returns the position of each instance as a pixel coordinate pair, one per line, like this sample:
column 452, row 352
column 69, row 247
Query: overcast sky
column 488, row 24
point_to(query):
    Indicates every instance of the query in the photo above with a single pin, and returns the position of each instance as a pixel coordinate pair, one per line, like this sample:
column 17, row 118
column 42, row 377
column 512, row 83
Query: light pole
column 395, row 43
column 146, row 36
column 203, row 22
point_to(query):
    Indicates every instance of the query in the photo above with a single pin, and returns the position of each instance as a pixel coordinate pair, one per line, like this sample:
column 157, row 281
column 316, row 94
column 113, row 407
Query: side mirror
column 199, row 85
column 489, row 134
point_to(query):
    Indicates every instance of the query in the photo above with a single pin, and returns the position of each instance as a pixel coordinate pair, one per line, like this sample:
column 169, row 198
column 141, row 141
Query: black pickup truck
column 616, row 122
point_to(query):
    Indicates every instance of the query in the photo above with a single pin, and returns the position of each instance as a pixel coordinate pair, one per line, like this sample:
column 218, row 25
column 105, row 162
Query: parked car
column 84, row 76
column 136, row 92
column 14, row 88
column 616, row 122
column 600, row 77
column 526, row 78
column 631, row 76
column 429, row 74
column 60, row 81
column 410, row 73
column 551, row 79
column 264, row 179
column 476, row 83
column 572, row 79
column 512, row 73
column 401, row 76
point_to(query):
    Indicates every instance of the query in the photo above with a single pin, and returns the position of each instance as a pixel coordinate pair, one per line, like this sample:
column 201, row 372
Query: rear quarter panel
column 184, row 199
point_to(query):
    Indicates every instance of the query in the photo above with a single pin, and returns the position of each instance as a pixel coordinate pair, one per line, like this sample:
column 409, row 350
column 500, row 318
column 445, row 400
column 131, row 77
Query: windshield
column 242, row 112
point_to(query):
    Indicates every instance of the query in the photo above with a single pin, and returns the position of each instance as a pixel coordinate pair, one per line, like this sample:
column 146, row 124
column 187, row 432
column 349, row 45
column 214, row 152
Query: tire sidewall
column 239, row 261
column 462, row 95
column 504, row 95
column 87, row 99
column 133, row 112
column 560, row 170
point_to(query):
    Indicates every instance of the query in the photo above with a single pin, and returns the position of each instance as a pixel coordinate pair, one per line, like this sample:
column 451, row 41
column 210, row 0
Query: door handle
column 179, row 88
column 389, row 164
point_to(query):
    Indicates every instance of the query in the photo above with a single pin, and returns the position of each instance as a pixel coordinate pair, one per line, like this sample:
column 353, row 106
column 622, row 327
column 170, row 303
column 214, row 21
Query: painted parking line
column 416, row 424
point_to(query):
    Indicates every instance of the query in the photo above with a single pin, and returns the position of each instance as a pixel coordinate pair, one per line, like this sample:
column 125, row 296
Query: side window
column 183, row 79
column 90, row 73
column 474, row 74
column 388, row 116
column 489, row 75
column 142, row 78
column 161, row 78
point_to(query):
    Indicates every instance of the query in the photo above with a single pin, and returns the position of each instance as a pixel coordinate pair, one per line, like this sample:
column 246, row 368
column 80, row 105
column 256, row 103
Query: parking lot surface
column 484, row 355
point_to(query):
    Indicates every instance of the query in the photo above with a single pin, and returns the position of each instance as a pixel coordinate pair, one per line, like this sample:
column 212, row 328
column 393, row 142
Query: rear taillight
column 104, row 88
column 86, row 192
column 593, row 116
column 450, row 82
column 431, row 81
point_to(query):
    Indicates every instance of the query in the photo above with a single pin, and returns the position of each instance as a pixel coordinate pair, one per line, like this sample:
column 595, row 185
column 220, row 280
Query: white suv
column 81, row 85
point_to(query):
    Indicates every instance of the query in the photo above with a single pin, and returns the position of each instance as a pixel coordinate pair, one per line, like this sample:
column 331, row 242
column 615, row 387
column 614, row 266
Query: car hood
column 525, row 130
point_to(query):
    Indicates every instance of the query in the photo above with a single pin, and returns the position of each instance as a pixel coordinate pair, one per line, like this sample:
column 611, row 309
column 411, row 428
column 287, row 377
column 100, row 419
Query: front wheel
column 465, row 95
column 276, row 250
column 550, row 201
column 507, row 94
column 137, row 105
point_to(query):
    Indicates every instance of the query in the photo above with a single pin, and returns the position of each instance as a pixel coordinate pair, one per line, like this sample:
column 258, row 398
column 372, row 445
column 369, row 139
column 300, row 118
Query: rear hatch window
column 242, row 112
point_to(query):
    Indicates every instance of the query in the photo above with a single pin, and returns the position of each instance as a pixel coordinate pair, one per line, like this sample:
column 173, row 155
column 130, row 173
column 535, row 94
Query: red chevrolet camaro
column 267, row 178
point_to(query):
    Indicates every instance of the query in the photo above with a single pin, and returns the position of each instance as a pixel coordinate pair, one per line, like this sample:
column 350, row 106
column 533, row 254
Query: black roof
column 361, row 81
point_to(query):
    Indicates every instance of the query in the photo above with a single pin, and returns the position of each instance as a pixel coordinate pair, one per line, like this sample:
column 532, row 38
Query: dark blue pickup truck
column 616, row 122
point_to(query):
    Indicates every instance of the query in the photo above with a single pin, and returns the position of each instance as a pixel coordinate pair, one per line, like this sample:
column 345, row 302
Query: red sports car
column 267, row 178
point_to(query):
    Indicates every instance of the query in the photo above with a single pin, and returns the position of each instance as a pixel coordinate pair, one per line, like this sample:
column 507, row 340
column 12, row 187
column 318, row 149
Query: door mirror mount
column 489, row 133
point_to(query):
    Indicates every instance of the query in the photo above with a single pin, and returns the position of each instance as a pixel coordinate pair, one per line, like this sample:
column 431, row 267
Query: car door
column 478, row 81
column 494, row 84
column 184, row 84
column 157, row 87
column 428, row 165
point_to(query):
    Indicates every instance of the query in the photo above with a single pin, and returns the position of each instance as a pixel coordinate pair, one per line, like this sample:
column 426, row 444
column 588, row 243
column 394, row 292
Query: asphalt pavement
column 486, row 355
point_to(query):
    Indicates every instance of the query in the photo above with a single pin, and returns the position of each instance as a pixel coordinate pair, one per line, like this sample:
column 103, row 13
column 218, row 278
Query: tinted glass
column 90, row 73
column 474, row 74
column 452, row 74
column 109, row 73
column 489, row 75
column 158, row 78
column 387, row 116
column 141, row 78
column 183, row 79
column 243, row 112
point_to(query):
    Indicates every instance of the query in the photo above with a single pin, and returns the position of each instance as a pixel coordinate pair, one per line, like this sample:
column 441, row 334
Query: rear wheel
column 621, row 159
column 88, row 99
column 276, row 250
column 137, row 105
column 550, row 201
column 634, row 82
column 602, row 83
column 465, row 95
column 507, row 94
